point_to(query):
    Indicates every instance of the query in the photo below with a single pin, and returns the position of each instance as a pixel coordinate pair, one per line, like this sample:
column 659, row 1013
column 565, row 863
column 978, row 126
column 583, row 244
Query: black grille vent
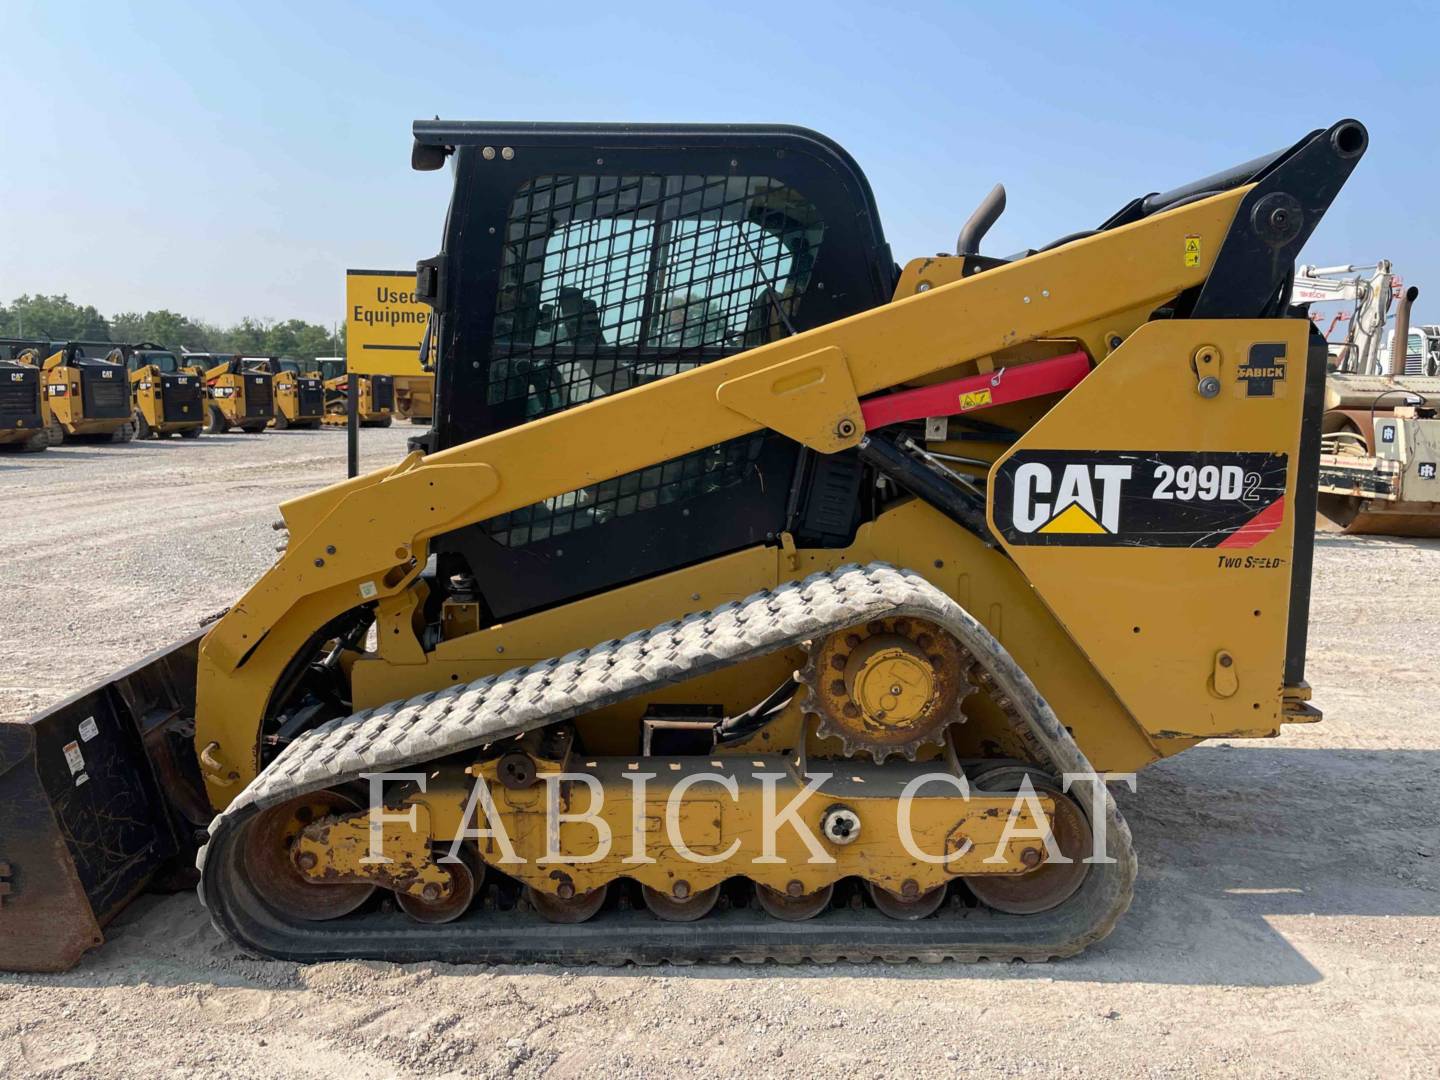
column 180, row 398
column 259, row 396
column 382, row 392
column 312, row 397
column 611, row 282
column 19, row 396
column 105, row 398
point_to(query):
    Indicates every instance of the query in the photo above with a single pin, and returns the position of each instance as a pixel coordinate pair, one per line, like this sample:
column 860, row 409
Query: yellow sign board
column 384, row 323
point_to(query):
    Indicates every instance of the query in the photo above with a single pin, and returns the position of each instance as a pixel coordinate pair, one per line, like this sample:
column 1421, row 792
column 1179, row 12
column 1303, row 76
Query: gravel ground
column 1286, row 921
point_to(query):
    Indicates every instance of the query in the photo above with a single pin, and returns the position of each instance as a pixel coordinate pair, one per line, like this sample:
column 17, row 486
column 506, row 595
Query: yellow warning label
column 1073, row 519
column 975, row 399
column 384, row 322
column 1192, row 250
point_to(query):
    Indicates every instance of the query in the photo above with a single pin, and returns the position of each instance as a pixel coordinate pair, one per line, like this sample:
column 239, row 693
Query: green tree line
column 58, row 318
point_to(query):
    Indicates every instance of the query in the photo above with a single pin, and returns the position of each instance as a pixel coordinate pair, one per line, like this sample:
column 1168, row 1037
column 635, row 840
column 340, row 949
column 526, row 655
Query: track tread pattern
column 402, row 733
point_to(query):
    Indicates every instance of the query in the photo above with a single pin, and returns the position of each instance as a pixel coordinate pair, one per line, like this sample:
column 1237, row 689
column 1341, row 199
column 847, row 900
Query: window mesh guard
column 612, row 282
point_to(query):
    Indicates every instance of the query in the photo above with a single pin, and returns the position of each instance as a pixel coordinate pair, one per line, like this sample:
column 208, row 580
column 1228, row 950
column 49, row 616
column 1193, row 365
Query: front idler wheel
column 1052, row 883
column 268, row 861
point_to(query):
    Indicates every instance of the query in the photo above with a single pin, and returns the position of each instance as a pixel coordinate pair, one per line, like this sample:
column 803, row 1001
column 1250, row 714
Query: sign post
column 352, row 425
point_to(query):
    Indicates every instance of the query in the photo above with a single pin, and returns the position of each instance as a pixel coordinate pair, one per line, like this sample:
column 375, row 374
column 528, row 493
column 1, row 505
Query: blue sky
column 229, row 160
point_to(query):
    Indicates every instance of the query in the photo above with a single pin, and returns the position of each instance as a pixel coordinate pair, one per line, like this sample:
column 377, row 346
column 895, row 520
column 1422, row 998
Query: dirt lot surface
column 1286, row 920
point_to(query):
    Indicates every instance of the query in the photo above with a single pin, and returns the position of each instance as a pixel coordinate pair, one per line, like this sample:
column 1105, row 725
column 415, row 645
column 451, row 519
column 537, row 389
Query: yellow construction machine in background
column 376, row 401
column 88, row 393
column 299, row 393
column 415, row 398
column 239, row 397
column 24, row 413
column 169, row 399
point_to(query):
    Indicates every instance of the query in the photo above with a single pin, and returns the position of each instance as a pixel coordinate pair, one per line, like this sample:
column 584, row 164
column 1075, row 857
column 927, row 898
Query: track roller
column 465, row 878
column 792, row 905
column 674, row 907
column 906, row 908
column 571, row 909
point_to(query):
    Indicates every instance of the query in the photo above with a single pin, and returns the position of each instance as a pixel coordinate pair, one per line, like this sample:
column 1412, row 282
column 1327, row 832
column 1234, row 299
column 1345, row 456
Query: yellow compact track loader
column 24, row 413
column 169, row 398
column 299, row 395
column 751, row 596
column 240, row 397
column 88, row 393
column 376, row 403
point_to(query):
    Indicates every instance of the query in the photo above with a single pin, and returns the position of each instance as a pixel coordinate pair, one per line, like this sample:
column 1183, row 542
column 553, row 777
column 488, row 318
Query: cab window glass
column 609, row 282
column 612, row 282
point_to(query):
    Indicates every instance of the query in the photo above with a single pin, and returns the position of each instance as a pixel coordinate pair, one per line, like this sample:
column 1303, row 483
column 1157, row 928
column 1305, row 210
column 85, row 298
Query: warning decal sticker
column 1192, row 250
column 1138, row 498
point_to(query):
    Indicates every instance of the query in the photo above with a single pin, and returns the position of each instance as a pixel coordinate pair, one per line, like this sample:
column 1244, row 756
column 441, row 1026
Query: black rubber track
column 427, row 726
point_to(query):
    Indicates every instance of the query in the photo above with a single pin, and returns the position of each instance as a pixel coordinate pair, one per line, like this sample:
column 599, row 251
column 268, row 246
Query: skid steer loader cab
column 23, row 415
column 299, row 396
column 169, row 399
column 88, row 392
column 729, row 513
column 682, row 248
column 240, row 397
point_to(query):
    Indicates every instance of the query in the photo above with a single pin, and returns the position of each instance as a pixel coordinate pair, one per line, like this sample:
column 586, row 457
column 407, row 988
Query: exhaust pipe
column 1401, row 344
column 985, row 215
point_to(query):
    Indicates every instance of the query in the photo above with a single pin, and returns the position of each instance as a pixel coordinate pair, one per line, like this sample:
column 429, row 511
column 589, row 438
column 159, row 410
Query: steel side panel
column 1154, row 618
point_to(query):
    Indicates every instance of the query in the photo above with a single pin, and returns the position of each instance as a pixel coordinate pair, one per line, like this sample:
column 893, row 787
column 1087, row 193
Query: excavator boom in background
column 1381, row 444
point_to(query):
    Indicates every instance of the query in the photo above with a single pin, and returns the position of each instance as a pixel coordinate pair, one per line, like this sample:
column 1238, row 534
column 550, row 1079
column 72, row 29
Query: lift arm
column 365, row 540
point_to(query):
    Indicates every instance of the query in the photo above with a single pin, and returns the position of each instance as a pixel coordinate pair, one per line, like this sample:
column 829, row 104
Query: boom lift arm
column 1371, row 298
column 365, row 540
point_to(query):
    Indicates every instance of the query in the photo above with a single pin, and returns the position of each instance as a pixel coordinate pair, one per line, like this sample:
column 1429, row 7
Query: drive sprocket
column 888, row 686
